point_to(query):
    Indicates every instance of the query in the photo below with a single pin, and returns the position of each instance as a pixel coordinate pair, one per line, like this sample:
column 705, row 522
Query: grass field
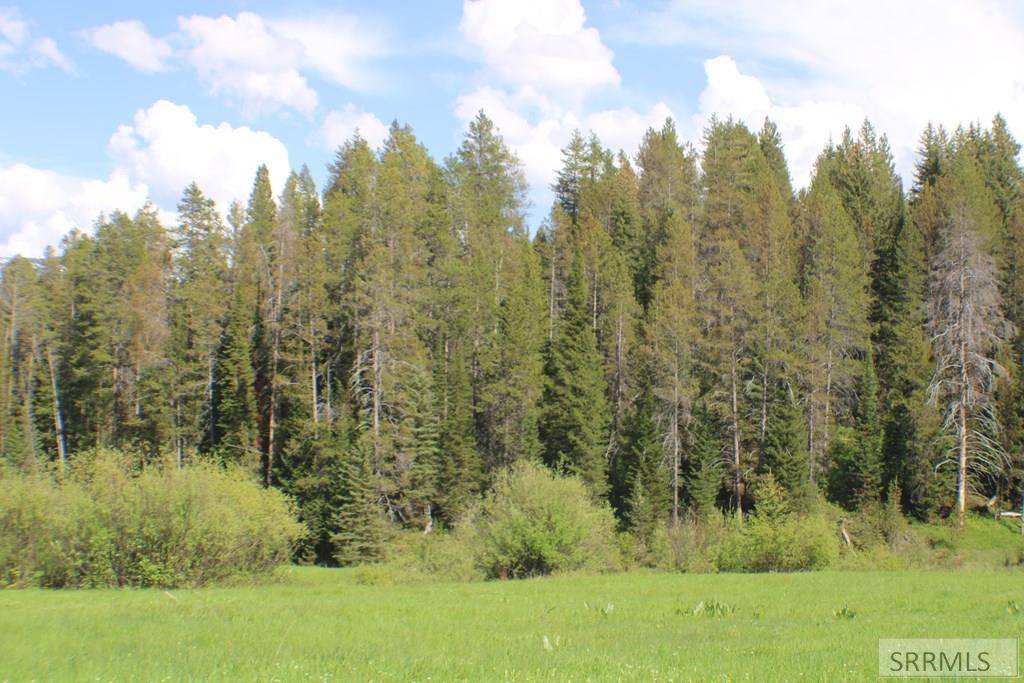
column 323, row 625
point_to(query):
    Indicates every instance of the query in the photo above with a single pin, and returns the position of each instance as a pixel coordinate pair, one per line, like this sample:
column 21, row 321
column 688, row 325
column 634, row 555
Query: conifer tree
column 967, row 324
column 362, row 530
column 671, row 333
column 460, row 475
column 649, row 498
column 705, row 471
column 198, row 308
column 836, row 294
column 785, row 447
column 236, row 415
column 574, row 417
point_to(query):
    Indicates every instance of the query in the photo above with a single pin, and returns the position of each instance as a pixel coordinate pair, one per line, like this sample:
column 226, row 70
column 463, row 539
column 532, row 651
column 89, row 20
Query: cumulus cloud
column 339, row 126
column 805, row 126
column 20, row 53
column 42, row 205
column 537, row 128
column 541, row 61
column 156, row 156
column 260, row 63
column 130, row 41
column 900, row 63
column 541, row 43
column 166, row 148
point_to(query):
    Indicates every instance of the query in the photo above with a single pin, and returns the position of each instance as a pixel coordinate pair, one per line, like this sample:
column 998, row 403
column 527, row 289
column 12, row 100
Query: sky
column 104, row 106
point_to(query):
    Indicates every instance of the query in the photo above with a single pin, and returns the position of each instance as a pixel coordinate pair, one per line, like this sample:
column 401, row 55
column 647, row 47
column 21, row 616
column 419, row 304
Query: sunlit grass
column 321, row 624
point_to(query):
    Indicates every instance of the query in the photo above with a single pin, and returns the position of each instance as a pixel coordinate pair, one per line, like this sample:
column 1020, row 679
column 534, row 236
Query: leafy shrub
column 437, row 556
column 108, row 524
column 534, row 522
column 690, row 546
column 776, row 540
column 795, row 543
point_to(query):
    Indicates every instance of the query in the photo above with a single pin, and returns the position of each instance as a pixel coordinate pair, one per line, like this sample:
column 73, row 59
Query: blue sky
column 107, row 104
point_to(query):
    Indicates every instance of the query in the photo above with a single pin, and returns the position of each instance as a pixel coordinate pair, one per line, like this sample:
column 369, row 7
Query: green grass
column 321, row 624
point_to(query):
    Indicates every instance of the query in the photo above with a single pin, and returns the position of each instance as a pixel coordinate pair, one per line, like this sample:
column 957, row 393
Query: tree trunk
column 965, row 331
column 58, row 419
column 675, row 451
column 738, row 473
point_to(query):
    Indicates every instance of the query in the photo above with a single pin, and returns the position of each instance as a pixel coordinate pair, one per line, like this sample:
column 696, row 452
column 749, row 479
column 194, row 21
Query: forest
column 683, row 324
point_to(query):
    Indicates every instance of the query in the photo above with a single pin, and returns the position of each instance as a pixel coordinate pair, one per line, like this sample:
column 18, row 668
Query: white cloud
column 539, row 43
column 19, row 54
column 261, row 62
column 900, row 63
column 130, row 41
column 166, row 148
column 42, row 205
column 13, row 29
column 339, row 126
column 805, row 126
column 156, row 156
column 537, row 129
column 541, row 61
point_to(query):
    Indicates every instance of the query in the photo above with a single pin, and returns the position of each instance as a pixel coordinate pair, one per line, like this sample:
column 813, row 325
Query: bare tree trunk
column 551, row 297
column 58, row 418
column 828, row 405
column 375, row 398
column 961, row 470
column 675, row 450
column 738, row 473
column 313, row 397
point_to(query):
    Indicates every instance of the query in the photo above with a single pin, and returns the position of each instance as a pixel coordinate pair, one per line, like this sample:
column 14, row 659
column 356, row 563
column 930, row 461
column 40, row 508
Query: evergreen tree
column 649, row 498
column 460, row 477
column 198, row 308
column 785, row 453
column 704, row 472
column 671, row 332
column 574, row 417
column 237, row 425
column 362, row 530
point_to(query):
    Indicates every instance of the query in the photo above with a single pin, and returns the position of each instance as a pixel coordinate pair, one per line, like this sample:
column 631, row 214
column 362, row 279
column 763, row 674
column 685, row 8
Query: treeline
column 681, row 325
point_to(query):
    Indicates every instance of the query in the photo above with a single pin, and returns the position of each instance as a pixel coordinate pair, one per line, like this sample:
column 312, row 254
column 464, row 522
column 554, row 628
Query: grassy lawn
column 320, row 624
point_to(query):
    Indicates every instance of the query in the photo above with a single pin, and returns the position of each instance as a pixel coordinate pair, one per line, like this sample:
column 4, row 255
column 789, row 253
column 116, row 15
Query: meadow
column 316, row 624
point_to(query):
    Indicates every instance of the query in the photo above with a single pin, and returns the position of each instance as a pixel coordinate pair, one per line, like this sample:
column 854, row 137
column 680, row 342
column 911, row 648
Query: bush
column 108, row 524
column 534, row 522
column 777, row 540
column 692, row 545
column 437, row 556
column 796, row 543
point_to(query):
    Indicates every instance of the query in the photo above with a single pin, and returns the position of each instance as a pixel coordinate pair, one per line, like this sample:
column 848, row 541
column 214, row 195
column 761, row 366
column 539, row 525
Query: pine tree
column 198, row 308
column 508, row 399
column 705, row 473
column 574, row 417
column 967, row 323
column 460, row 477
column 671, row 332
column 837, row 329
column 362, row 530
column 785, row 453
column 868, row 472
column 649, row 499
column 236, row 414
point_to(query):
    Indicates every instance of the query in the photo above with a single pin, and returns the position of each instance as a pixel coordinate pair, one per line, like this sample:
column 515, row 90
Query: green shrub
column 108, row 524
column 437, row 556
column 793, row 543
column 775, row 539
column 534, row 522
column 690, row 546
